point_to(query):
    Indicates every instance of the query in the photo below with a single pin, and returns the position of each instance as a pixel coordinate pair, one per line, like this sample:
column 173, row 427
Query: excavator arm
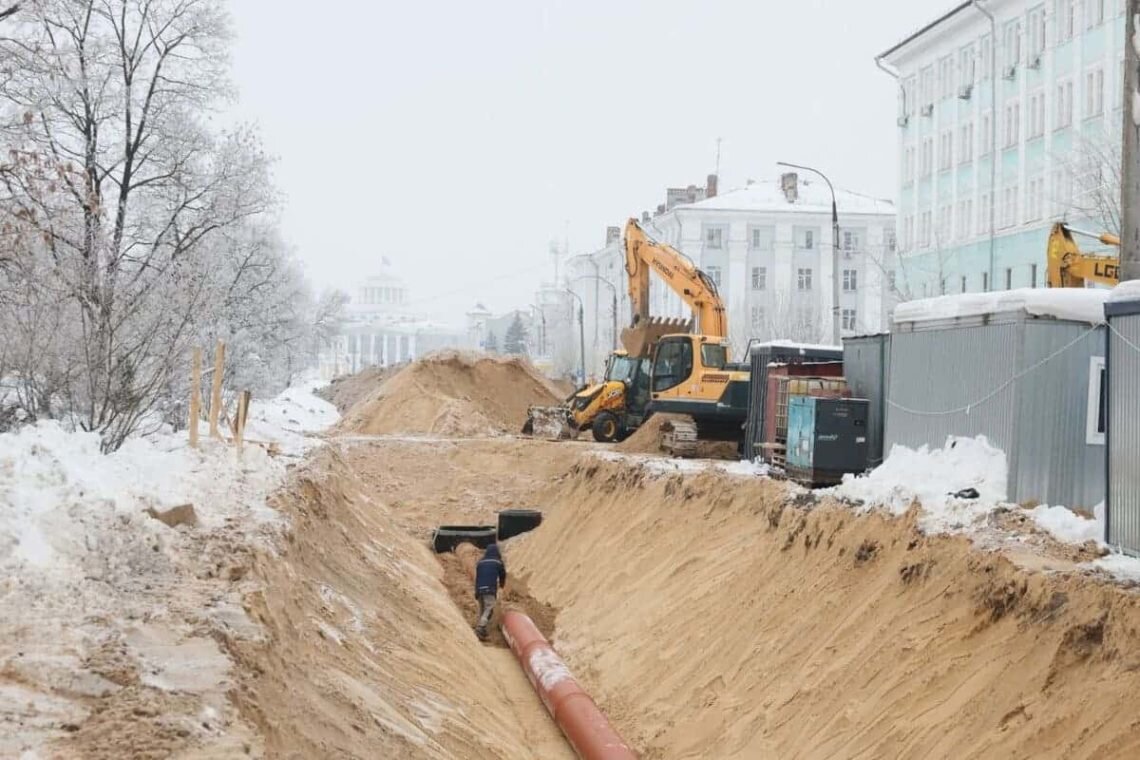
column 1068, row 267
column 643, row 255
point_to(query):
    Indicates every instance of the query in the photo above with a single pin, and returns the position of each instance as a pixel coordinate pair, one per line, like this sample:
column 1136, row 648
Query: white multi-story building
column 768, row 246
column 1009, row 119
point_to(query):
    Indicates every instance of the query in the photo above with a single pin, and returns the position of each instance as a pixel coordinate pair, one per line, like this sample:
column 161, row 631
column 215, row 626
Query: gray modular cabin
column 1021, row 367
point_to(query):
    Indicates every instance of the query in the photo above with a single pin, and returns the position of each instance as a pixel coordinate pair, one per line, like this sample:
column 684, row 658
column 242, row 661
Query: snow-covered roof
column 801, row 347
column 1129, row 290
column 1069, row 304
column 814, row 197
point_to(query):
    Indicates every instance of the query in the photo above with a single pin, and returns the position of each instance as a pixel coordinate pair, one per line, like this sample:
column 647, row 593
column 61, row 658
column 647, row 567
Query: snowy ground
column 106, row 606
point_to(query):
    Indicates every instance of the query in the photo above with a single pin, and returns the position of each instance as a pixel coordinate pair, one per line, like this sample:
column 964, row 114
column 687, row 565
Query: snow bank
column 288, row 419
column 1072, row 304
column 931, row 477
column 1129, row 290
column 657, row 465
column 1067, row 526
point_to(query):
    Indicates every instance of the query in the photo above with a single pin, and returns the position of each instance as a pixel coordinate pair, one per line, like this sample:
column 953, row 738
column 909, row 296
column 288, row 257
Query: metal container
column 759, row 356
column 827, row 439
column 1021, row 381
column 778, row 373
column 1121, row 415
column 866, row 365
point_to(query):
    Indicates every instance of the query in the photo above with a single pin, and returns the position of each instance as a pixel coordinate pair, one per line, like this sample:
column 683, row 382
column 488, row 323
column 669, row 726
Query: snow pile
column 288, row 419
column 932, row 478
column 1067, row 526
column 1072, row 304
column 1129, row 290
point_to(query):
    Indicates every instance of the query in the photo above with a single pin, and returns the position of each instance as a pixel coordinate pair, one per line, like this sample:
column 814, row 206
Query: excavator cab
column 692, row 375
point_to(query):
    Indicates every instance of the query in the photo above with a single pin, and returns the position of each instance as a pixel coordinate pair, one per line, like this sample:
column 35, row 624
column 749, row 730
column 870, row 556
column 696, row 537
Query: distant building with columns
column 381, row 330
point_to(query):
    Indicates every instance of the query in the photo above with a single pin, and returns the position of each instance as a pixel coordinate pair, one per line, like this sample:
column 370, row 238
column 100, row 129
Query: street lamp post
column 613, row 305
column 581, row 337
column 834, row 250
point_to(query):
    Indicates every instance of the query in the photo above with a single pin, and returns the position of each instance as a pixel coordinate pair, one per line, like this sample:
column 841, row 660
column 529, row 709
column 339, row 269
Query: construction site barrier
column 583, row 724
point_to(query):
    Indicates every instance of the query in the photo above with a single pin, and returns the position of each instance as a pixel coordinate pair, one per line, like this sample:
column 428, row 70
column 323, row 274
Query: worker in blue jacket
column 490, row 576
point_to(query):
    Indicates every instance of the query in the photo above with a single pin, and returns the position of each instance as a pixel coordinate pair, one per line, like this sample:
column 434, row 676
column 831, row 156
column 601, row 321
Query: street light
column 581, row 337
column 834, row 250
column 613, row 307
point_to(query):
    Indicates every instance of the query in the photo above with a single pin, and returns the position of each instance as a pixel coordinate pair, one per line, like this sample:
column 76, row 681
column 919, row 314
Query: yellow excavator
column 1069, row 267
column 611, row 409
column 690, row 374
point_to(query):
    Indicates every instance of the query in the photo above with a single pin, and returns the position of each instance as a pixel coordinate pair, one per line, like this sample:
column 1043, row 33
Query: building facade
column 1005, row 127
column 381, row 329
column 768, row 246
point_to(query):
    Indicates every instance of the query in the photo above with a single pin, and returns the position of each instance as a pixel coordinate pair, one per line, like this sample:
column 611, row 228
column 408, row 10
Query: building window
column 850, row 280
column 849, row 320
column 760, row 239
column 984, row 213
column 757, row 318
column 851, row 241
column 1094, row 13
column 714, row 237
column 965, row 218
column 963, row 283
column 986, row 47
column 807, row 242
column 1012, row 123
column 907, row 232
column 1096, row 416
column 1009, row 206
column 945, row 217
column 987, row 134
column 1064, row 105
column 714, row 274
column 759, row 278
column 926, row 86
column 1032, row 275
column 1036, row 34
column 910, row 91
column 889, row 241
column 966, row 68
column 804, row 279
column 985, row 282
column 946, row 78
column 1066, row 15
column 892, row 283
column 946, row 150
column 924, row 228
column 908, row 165
column 1035, row 199
column 1062, row 192
column 927, row 157
column 1008, row 279
column 1036, row 114
column 1094, row 93
column 966, row 143
column 1011, row 47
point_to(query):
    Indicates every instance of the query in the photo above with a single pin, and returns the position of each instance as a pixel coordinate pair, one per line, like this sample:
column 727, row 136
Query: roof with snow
column 1068, row 304
column 814, row 198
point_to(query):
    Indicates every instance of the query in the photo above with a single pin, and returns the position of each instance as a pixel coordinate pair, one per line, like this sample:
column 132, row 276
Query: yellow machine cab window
column 714, row 355
column 672, row 363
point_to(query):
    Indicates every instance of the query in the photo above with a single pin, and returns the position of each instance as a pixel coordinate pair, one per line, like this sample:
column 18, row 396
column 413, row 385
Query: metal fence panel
column 1123, row 371
column 865, row 365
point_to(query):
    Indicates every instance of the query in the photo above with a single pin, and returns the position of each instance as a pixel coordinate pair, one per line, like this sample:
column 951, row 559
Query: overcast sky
column 458, row 139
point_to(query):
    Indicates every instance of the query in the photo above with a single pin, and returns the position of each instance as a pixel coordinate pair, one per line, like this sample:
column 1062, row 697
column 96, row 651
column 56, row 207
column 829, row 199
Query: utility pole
column 835, row 333
column 1130, row 186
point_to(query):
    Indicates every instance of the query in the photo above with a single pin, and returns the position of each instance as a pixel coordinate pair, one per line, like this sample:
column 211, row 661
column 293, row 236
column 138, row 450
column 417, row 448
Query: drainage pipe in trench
column 583, row 724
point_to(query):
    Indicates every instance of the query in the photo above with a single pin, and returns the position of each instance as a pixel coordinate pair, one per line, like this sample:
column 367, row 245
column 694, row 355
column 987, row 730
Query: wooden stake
column 216, row 393
column 240, row 418
column 195, row 396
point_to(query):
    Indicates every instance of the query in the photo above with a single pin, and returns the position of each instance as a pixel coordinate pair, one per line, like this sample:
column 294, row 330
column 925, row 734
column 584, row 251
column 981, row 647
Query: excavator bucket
column 640, row 338
column 551, row 422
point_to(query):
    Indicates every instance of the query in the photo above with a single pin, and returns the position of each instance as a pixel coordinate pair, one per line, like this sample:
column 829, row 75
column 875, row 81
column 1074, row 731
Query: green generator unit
column 827, row 439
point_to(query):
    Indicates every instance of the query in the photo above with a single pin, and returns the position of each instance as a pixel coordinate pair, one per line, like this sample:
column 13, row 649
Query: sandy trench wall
column 365, row 654
column 713, row 617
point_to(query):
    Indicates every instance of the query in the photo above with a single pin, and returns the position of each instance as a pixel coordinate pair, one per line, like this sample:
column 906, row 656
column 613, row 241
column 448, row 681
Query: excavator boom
column 1068, row 267
column 643, row 255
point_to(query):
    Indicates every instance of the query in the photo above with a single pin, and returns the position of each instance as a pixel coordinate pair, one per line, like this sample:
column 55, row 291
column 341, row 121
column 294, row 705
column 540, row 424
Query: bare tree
column 112, row 165
column 1093, row 169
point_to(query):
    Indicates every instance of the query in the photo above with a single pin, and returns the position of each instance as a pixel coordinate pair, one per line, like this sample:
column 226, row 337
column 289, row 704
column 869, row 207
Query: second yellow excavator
column 691, row 373
column 1069, row 267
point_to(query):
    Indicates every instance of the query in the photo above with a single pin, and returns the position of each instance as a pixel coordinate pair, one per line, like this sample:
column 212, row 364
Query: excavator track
column 679, row 438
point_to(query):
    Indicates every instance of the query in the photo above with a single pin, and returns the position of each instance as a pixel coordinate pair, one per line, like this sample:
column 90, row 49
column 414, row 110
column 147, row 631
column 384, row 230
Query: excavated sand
column 715, row 617
column 348, row 391
column 364, row 653
column 648, row 439
column 453, row 394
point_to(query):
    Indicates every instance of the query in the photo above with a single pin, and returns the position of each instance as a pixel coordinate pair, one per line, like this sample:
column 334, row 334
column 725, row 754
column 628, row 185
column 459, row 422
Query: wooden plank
column 195, row 396
column 240, row 418
column 216, row 391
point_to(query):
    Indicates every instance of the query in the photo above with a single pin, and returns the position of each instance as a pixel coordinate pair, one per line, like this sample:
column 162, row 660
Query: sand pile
column 453, row 394
column 347, row 391
column 364, row 653
column 720, row 618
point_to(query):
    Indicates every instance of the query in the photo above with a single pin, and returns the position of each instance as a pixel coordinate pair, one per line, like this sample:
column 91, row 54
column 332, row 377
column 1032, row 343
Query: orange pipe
column 583, row 724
